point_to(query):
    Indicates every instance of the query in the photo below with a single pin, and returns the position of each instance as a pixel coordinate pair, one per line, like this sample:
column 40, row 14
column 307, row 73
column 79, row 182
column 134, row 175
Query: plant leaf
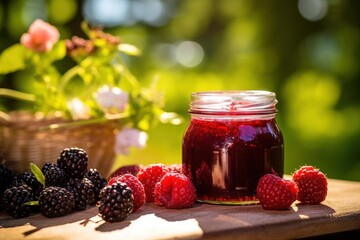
column 58, row 52
column 13, row 59
column 32, row 203
column 38, row 173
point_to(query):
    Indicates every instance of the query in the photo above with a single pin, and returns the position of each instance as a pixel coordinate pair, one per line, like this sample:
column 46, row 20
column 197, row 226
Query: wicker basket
column 22, row 141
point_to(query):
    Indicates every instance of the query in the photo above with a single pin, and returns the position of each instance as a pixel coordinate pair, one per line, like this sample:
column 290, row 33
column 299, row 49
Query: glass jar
column 232, row 140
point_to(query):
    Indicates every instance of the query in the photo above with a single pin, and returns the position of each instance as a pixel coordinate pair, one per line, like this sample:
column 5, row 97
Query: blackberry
column 54, row 176
column 73, row 161
column 29, row 179
column 6, row 178
column 116, row 202
column 83, row 192
column 98, row 180
column 14, row 200
column 47, row 166
column 56, row 202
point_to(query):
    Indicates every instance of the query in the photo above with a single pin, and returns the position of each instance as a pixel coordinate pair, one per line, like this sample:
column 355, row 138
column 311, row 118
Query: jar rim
column 243, row 102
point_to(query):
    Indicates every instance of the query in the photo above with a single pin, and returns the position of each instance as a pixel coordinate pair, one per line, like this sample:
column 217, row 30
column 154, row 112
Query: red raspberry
column 276, row 193
column 136, row 187
column 149, row 176
column 175, row 190
column 175, row 168
column 133, row 169
column 312, row 184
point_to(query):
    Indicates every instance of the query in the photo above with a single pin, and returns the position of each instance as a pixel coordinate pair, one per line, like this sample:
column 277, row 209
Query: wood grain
column 339, row 212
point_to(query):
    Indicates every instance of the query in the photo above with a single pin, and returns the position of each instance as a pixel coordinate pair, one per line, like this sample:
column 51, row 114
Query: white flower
column 111, row 99
column 78, row 109
column 130, row 137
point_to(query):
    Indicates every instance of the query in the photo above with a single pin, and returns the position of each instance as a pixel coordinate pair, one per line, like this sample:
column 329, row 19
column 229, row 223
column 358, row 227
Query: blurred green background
column 306, row 51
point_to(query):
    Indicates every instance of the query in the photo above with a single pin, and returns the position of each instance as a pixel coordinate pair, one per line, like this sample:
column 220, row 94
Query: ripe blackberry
column 29, row 179
column 54, row 175
column 47, row 166
column 135, row 185
column 116, row 202
column 82, row 188
column 56, row 202
column 14, row 200
column 73, row 161
column 97, row 179
column 6, row 178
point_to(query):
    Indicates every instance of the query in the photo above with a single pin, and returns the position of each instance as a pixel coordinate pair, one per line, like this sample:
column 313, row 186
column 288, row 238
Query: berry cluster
column 55, row 190
column 68, row 185
column 308, row 185
column 163, row 185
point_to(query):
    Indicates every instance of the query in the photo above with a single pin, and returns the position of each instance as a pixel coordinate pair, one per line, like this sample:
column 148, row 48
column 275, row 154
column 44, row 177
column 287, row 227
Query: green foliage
column 13, row 59
column 37, row 173
column 311, row 65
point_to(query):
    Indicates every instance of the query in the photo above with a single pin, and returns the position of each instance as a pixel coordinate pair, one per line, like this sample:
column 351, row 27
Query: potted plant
column 96, row 104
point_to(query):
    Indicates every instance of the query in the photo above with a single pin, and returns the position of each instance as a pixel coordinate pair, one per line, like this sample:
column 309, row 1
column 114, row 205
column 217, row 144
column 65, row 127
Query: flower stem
column 17, row 95
column 128, row 75
column 67, row 76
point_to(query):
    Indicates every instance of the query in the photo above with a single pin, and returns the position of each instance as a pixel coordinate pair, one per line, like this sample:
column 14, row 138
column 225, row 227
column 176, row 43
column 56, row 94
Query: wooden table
column 339, row 212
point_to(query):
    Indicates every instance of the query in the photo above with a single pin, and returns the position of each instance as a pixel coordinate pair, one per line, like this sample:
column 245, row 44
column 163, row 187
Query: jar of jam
column 231, row 142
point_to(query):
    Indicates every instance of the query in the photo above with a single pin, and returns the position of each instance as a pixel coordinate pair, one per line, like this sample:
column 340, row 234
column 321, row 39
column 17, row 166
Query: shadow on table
column 108, row 227
column 39, row 222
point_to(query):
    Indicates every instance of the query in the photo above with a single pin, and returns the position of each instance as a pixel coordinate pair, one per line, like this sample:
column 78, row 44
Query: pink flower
column 41, row 36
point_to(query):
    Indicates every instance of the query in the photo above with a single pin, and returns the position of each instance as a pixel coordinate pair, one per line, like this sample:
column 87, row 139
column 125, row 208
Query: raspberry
column 136, row 187
column 149, row 176
column 175, row 168
column 312, row 185
column 175, row 190
column 133, row 169
column 276, row 193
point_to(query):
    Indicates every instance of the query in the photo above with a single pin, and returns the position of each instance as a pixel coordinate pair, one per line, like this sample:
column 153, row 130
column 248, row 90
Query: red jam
column 227, row 150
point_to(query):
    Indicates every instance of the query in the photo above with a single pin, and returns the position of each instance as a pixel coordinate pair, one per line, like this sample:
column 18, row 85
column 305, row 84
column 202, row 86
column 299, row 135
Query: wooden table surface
column 339, row 212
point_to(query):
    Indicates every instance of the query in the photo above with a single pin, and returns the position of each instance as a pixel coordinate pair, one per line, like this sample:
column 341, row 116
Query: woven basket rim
column 34, row 122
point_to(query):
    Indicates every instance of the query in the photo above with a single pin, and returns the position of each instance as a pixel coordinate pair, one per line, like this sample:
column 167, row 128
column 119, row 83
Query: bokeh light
column 313, row 10
column 189, row 54
column 127, row 12
column 34, row 9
